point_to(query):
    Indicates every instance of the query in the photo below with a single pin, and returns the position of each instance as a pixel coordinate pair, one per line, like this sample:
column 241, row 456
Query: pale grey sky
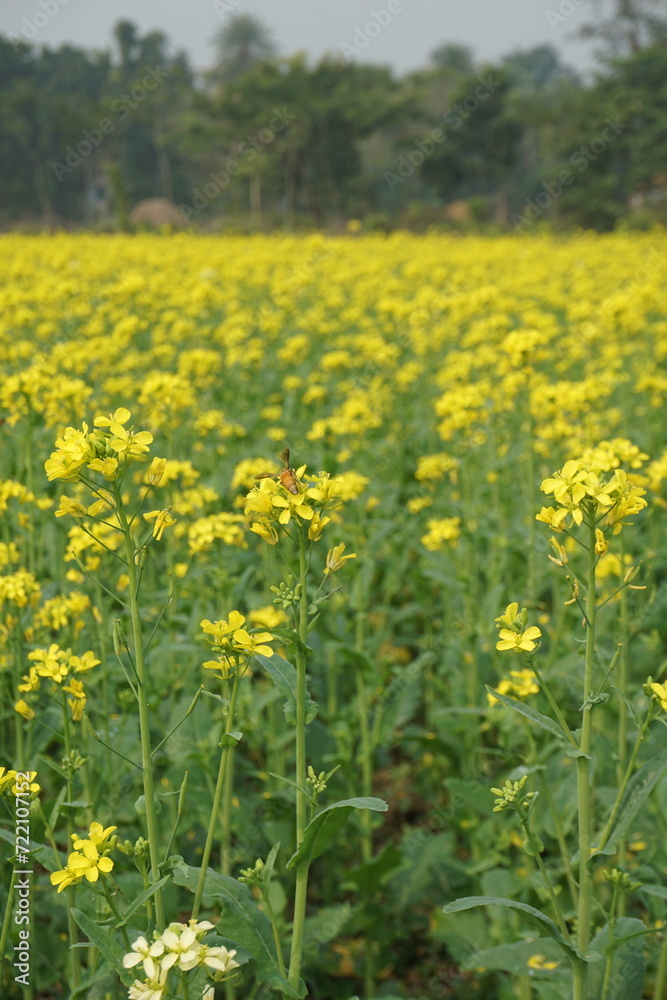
column 402, row 32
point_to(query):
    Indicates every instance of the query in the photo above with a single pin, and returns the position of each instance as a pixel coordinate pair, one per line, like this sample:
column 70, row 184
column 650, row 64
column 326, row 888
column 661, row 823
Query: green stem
column 228, row 786
column 217, row 796
column 301, row 888
column 552, row 702
column 584, row 776
column 4, row 934
column 535, row 848
column 114, row 910
column 276, row 933
column 144, row 719
column 560, row 838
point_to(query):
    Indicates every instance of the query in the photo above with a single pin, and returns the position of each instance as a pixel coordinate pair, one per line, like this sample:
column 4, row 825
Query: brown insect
column 286, row 475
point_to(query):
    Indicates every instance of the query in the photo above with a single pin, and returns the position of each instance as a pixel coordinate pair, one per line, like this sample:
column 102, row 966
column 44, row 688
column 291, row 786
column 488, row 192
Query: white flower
column 183, row 950
column 152, row 989
column 143, row 952
column 218, row 958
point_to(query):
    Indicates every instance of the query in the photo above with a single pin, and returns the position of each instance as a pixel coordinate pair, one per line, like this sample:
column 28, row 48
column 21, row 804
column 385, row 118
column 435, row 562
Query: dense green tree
column 241, row 43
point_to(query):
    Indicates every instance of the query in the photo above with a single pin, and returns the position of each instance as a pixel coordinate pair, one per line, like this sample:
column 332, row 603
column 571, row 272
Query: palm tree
column 240, row 43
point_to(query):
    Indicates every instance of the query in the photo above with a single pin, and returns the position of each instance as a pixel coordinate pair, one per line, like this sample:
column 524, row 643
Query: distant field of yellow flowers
column 426, row 387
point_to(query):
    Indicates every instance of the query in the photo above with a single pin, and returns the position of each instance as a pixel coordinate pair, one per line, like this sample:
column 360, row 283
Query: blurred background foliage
column 359, row 143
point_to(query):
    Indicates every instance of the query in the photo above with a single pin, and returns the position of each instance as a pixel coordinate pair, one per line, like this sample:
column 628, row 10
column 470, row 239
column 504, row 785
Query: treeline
column 261, row 141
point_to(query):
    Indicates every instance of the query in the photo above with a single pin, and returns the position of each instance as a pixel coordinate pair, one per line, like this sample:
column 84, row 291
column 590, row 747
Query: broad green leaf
column 468, row 902
column 105, row 943
column 529, row 713
column 322, row 830
column 638, row 790
column 628, row 965
column 242, row 921
column 283, row 675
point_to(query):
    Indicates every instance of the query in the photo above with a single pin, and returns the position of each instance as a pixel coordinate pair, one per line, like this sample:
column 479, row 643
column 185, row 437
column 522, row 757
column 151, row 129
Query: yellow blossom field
column 429, row 641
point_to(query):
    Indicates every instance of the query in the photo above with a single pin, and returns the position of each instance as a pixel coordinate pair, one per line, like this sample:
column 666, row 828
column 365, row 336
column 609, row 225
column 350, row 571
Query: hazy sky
column 402, row 39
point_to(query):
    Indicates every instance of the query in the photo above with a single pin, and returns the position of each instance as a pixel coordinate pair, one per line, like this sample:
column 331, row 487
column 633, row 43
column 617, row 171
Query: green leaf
column 43, row 853
column 105, row 943
column 242, row 921
column 283, row 675
column 267, row 871
column 636, row 793
column 230, row 739
column 141, row 899
column 322, row 830
column 468, row 902
column 655, row 890
column 514, row 957
column 290, row 635
column 529, row 713
column 628, row 965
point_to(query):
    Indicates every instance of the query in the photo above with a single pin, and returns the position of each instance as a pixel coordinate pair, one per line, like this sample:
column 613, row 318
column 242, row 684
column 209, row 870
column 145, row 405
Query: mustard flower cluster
column 273, row 505
column 178, row 949
column 89, row 859
column 442, row 532
column 233, row 643
column 103, row 450
column 519, row 684
column 57, row 665
column 9, row 784
column 584, row 487
column 515, row 633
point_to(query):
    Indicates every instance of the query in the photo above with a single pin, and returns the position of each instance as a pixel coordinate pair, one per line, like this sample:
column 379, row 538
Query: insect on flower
column 286, row 476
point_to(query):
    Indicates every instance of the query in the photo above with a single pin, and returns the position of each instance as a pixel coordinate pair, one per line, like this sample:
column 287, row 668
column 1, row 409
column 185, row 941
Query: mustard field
column 378, row 718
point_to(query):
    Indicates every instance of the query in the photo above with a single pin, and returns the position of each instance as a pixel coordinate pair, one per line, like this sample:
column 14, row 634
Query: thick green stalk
column 228, row 788
column 217, row 797
column 584, row 777
column 144, row 720
column 300, row 776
